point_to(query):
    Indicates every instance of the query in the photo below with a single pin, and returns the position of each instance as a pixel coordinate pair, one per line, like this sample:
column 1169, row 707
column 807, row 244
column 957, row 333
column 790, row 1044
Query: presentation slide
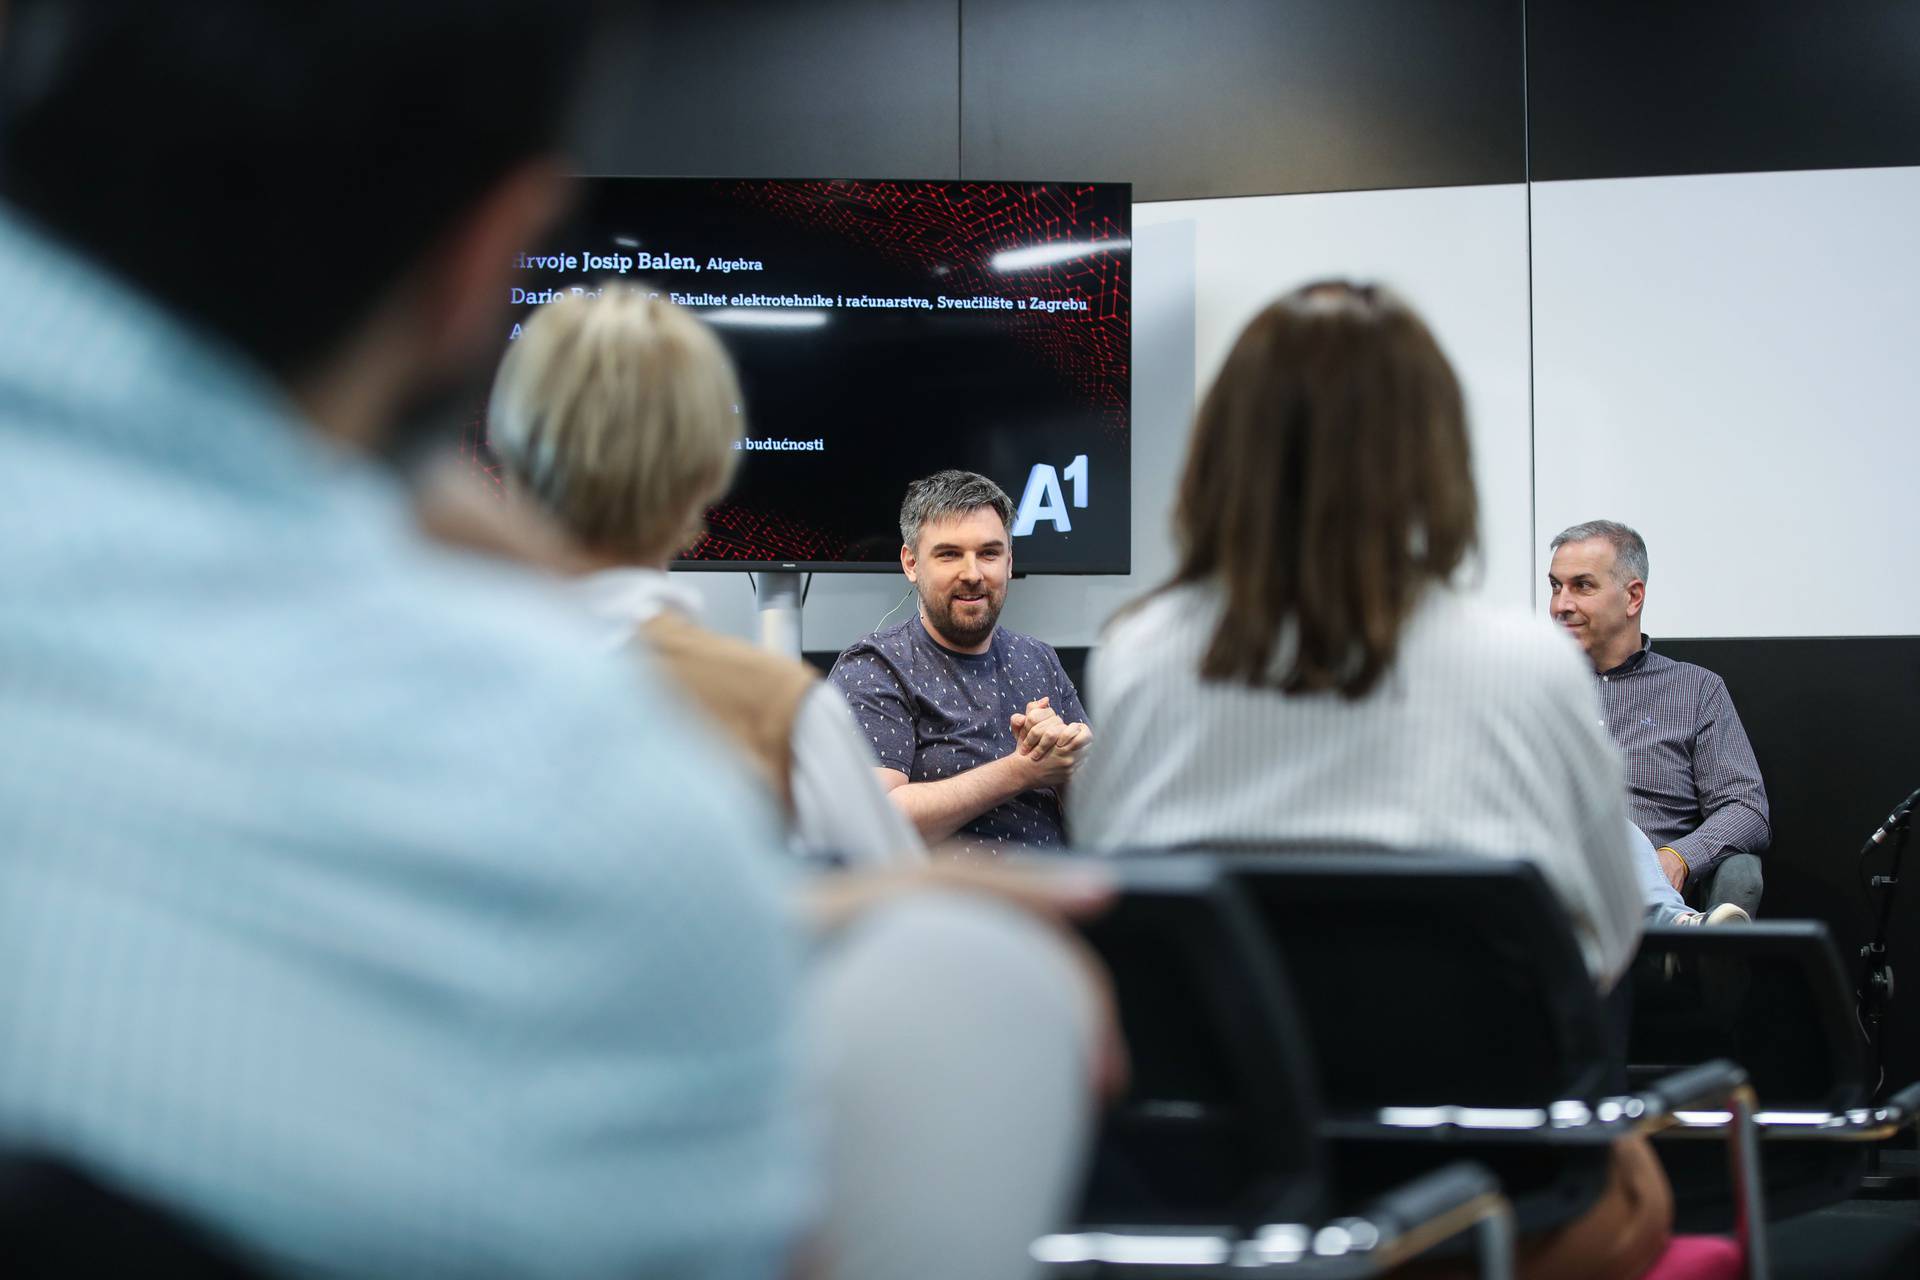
column 884, row 330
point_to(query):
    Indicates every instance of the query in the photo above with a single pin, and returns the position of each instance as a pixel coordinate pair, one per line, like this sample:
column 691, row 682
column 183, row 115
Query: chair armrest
column 1438, row 1206
column 1398, row 1226
column 1431, row 1196
column 1709, row 1084
column 1720, row 1084
column 1902, row 1108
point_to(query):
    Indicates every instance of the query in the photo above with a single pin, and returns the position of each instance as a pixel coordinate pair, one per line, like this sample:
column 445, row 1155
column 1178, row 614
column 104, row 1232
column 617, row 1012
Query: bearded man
column 976, row 728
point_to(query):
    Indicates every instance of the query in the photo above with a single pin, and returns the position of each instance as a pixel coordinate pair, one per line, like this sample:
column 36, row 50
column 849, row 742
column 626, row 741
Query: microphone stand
column 1876, row 992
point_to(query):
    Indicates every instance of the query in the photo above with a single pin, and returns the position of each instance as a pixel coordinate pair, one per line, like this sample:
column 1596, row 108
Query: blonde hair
column 618, row 411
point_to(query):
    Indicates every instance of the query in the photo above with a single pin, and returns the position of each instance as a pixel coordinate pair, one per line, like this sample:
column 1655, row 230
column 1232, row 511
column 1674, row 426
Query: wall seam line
column 1533, row 456
column 959, row 90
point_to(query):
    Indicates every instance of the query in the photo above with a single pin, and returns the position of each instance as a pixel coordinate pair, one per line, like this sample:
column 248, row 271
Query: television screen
column 885, row 330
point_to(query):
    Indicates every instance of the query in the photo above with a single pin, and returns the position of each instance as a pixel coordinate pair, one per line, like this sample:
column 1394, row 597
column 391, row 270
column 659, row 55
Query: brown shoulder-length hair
column 1328, row 482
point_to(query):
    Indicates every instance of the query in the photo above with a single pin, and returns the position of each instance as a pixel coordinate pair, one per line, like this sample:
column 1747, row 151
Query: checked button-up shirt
column 1692, row 781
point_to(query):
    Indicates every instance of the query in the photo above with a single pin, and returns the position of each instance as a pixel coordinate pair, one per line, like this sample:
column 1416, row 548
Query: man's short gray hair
column 949, row 493
column 1629, row 548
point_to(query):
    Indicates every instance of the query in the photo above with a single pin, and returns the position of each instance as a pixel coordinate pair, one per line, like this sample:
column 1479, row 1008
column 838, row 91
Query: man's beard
column 961, row 633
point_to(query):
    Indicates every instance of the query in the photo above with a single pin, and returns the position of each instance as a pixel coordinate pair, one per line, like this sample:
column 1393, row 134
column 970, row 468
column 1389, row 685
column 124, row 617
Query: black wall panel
column 1243, row 97
column 1250, row 97
column 1835, row 724
column 767, row 88
column 1640, row 87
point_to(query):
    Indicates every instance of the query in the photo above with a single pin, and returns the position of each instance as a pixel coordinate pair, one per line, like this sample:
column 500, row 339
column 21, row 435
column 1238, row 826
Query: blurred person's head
column 1598, row 585
column 336, row 188
column 1327, row 485
column 619, row 413
column 957, row 553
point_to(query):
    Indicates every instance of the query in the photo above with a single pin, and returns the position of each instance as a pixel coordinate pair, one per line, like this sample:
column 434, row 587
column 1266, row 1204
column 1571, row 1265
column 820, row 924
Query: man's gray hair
column 1629, row 548
column 950, row 493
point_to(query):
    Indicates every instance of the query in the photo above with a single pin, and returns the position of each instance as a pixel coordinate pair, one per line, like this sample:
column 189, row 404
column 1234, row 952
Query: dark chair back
column 1429, row 982
column 1433, row 982
column 1771, row 995
column 1218, row 1126
column 1774, row 997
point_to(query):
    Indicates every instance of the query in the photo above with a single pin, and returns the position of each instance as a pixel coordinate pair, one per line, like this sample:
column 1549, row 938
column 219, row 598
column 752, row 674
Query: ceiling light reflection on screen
column 753, row 318
column 1046, row 255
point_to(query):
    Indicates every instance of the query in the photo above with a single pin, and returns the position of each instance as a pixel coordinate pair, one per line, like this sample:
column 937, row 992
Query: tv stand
column 779, row 596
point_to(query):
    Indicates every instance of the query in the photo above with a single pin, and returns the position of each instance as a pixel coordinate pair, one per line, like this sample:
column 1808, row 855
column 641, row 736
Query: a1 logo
column 1044, row 499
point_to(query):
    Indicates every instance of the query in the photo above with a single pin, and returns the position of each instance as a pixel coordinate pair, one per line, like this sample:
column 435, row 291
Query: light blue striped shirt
column 345, row 906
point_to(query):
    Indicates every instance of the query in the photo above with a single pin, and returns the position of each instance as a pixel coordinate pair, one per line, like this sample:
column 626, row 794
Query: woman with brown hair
column 1312, row 675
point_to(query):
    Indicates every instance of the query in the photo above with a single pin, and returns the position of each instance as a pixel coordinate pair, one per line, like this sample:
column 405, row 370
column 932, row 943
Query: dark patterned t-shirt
column 932, row 713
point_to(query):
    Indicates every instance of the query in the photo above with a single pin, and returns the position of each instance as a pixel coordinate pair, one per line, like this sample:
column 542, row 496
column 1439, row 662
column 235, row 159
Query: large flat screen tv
column 885, row 330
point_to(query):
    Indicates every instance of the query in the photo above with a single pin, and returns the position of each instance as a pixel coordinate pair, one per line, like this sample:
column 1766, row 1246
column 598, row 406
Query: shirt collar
column 926, row 633
column 1636, row 660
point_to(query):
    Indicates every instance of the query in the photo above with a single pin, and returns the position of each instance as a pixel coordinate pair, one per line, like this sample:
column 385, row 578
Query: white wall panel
column 1731, row 364
column 1457, row 254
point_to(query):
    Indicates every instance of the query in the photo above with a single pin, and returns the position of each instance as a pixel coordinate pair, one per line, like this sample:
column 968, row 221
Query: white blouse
column 1483, row 739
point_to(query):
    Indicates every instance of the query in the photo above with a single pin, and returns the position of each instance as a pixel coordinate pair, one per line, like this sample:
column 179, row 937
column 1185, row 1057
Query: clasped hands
column 1050, row 746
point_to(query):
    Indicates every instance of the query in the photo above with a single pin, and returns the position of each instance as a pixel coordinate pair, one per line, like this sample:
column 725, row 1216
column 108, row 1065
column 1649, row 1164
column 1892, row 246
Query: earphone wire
column 896, row 608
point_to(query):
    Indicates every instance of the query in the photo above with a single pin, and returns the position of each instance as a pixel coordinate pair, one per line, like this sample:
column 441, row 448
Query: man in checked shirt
column 1693, row 785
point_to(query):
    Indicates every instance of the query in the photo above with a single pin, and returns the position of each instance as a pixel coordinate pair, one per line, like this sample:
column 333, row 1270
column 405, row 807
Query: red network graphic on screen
column 737, row 533
column 955, row 231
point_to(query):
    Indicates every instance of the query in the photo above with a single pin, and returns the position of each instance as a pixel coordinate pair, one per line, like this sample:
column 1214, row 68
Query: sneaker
column 1725, row 913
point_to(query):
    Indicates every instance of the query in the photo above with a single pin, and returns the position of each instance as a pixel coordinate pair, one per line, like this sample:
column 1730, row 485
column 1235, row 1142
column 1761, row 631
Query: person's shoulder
column 1678, row 675
column 895, row 640
column 503, row 618
column 890, row 646
column 1692, row 673
column 431, row 653
column 477, row 687
column 1011, row 641
column 475, row 656
column 682, row 637
column 510, row 688
column 347, row 657
column 1155, row 636
column 1163, row 615
column 1499, row 645
column 1022, row 649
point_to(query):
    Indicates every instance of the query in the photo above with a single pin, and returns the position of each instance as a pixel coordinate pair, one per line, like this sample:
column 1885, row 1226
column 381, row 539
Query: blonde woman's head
column 618, row 412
